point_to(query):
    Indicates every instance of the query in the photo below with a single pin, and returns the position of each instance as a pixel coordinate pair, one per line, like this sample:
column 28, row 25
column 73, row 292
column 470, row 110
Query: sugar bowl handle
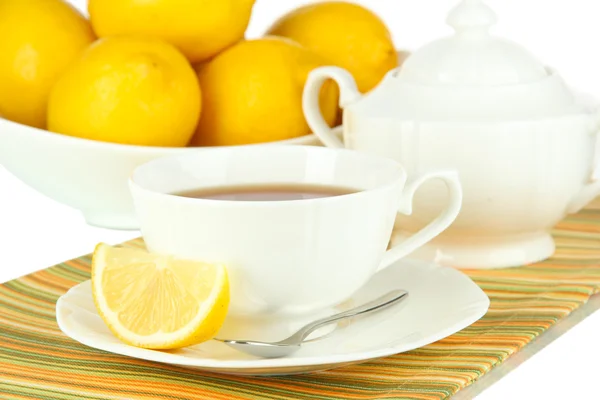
column 592, row 188
column 310, row 101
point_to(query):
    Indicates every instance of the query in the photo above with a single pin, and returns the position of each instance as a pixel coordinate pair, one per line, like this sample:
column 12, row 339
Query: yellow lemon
column 252, row 93
column 128, row 90
column 156, row 301
column 347, row 34
column 40, row 39
column 199, row 28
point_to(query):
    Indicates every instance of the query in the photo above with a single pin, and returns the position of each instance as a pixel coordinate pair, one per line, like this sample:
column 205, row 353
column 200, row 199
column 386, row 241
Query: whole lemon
column 41, row 38
column 347, row 34
column 252, row 93
column 127, row 90
column 199, row 28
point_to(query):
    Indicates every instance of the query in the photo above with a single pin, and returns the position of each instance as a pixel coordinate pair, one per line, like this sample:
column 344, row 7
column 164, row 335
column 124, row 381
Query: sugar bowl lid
column 470, row 75
column 472, row 56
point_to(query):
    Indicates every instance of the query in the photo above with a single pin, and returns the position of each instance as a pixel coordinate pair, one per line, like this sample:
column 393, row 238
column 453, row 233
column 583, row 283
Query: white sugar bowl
column 524, row 144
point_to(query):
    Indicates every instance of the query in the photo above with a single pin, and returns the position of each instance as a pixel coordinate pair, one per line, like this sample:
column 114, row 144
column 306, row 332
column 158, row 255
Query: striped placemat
column 38, row 362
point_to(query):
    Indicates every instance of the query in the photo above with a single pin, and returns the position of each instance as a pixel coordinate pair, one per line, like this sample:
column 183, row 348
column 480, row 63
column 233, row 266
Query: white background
column 36, row 232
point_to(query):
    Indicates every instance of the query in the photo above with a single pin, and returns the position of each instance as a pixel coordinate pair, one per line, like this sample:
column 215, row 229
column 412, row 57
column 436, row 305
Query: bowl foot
column 484, row 252
column 125, row 221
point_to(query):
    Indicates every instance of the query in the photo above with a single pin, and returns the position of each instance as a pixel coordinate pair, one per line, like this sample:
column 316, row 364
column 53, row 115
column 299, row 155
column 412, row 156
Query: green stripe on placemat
column 37, row 361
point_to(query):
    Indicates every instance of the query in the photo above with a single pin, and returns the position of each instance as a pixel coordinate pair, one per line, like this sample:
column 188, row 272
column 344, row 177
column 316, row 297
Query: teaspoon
column 291, row 344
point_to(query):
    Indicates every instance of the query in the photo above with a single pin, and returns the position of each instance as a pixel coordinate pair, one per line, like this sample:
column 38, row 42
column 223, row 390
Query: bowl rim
column 301, row 140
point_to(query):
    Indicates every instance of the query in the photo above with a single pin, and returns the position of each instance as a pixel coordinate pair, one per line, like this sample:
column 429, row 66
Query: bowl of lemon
column 85, row 97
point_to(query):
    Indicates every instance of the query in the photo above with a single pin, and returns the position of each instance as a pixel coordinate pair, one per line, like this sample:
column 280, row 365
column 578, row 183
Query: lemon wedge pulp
column 157, row 301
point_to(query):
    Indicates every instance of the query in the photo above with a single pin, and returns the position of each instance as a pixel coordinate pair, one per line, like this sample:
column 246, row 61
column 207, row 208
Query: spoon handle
column 384, row 301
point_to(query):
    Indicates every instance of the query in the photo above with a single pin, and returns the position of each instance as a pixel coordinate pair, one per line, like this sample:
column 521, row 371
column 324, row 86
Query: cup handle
column 310, row 101
column 437, row 226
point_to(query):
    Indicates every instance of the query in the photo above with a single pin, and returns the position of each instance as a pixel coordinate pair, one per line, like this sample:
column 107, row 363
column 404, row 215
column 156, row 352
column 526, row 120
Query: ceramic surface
column 525, row 146
column 441, row 302
column 286, row 259
column 90, row 176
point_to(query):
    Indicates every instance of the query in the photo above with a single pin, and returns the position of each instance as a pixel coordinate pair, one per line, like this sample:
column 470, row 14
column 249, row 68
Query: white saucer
column 441, row 302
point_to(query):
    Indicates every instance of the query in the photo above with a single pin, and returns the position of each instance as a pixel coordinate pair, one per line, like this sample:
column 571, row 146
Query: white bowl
column 88, row 175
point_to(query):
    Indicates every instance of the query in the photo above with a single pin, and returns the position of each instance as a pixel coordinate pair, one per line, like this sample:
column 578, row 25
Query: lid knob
column 472, row 16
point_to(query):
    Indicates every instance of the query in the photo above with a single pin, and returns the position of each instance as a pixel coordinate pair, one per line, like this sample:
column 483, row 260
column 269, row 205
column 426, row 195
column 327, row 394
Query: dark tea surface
column 266, row 192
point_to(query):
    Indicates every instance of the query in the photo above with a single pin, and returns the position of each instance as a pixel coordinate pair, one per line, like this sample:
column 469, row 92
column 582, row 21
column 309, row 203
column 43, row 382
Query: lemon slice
column 156, row 301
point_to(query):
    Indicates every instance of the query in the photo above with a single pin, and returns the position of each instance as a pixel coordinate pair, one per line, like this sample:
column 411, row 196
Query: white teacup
column 286, row 259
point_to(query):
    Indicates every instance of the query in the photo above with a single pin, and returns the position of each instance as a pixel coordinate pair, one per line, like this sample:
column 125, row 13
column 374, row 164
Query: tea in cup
column 299, row 228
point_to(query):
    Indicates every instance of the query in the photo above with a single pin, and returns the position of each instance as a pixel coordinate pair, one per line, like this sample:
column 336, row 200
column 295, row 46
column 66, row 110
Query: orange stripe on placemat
column 37, row 361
